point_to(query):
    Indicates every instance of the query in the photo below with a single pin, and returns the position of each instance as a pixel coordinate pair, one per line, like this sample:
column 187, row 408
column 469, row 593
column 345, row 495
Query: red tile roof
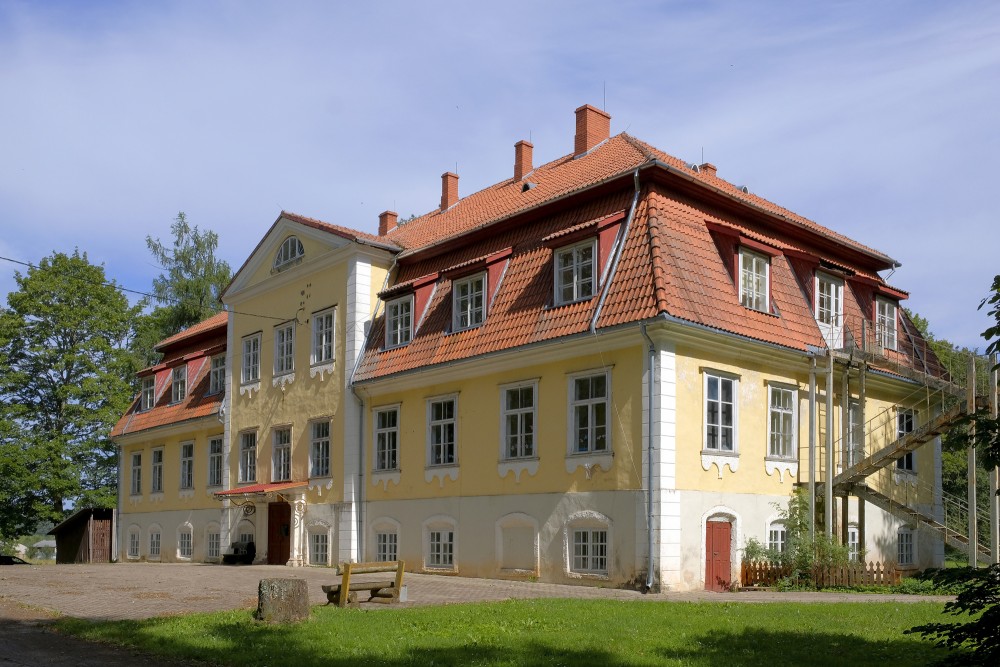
column 217, row 321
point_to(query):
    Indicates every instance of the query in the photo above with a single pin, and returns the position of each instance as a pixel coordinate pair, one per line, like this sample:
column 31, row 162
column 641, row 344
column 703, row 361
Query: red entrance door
column 718, row 565
column 279, row 531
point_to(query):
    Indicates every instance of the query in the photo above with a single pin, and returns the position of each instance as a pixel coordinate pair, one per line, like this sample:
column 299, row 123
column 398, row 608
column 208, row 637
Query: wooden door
column 718, row 564
column 279, row 531
column 100, row 545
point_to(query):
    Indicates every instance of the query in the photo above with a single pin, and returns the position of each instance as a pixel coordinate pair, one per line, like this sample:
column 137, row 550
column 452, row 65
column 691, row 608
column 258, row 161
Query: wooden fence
column 762, row 573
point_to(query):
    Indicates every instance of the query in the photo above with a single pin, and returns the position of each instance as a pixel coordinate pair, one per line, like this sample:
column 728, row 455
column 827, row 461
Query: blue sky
column 877, row 119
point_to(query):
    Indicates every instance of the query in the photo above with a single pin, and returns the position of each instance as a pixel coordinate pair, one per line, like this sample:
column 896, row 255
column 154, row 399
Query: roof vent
column 744, row 189
column 692, row 166
column 528, row 185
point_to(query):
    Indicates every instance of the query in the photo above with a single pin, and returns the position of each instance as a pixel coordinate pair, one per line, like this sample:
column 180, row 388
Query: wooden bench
column 385, row 591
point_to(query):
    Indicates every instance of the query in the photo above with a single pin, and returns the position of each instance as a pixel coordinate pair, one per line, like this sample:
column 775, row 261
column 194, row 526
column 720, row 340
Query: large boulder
column 282, row 601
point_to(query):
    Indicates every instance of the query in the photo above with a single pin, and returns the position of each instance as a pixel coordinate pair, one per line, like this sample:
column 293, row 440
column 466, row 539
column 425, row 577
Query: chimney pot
column 386, row 221
column 522, row 159
column 449, row 190
column 592, row 127
column 707, row 168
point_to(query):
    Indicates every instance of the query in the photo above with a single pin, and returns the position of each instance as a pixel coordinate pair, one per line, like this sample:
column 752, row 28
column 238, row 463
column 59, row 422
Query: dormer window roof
column 289, row 253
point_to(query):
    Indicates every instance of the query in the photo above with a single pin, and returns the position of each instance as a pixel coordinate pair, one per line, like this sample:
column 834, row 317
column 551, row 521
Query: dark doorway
column 718, row 564
column 279, row 531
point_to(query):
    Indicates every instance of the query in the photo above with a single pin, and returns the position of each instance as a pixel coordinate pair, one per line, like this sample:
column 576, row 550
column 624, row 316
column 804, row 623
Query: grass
column 544, row 632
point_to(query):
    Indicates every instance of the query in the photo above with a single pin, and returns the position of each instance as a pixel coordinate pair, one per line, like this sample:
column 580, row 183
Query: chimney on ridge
column 707, row 168
column 449, row 190
column 592, row 127
column 386, row 221
column 522, row 159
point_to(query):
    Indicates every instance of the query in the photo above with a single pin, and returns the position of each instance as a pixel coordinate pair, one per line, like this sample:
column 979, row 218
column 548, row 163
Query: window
column 246, row 532
column 154, row 543
column 441, row 432
column 720, row 413
column 133, row 543
column 289, row 252
column 156, row 484
column 574, row 272
column 282, row 463
column 178, row 384
column 319, row 451
column 885, row 323
column 469, row 305
column 215, row 462
column 754, row 284
column 284, row 348
column 590, row 551
column 830, row 309
column 589, row 407
column 322, row 343
column 385, row 547
column 187, row 465
column 185, row 542
column 251, row 359
column 853, row 544
column 217, row 376
column 148, row 394
column 855, row 450
column 319, row 549
column 398, row 321
column 248, row 457
column 519, row 421
column 442, row 548
column 777, row 537
column 386, row 439
column 904, row 424
column 781, row 431
column 136, row 487
column 213, row 545
column 905, row 551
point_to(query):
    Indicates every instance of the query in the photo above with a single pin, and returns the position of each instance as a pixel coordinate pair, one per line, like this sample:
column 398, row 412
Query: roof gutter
column 619, row 244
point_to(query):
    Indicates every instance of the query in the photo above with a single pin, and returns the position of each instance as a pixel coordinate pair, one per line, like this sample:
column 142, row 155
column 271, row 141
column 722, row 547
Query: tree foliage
column 64, row 380
column 188, row 290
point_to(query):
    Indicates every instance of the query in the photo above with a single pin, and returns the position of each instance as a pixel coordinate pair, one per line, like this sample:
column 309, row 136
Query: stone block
column 282, row 601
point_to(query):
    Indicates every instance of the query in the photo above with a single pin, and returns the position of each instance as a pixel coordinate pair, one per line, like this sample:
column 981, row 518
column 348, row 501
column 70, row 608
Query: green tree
column 64, row 380
column 188, row 290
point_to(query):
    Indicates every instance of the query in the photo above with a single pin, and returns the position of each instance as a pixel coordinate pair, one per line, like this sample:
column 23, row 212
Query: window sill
column 588, row 461
column 250, row 387
column 517, row 466
column 592, row 576
column 156, row 497
column 721, row 459
column 281, row 379
column 387, row 347
column 455, row 330
column 561, row 304
column 440, row 569
column 186, row 493
column 321, row 369
column 383, row 477
column 439, row 472
column 782, row 465
column 900, row 476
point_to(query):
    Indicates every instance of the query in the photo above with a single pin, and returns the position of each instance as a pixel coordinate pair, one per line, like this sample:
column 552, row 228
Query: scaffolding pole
column 971, row 465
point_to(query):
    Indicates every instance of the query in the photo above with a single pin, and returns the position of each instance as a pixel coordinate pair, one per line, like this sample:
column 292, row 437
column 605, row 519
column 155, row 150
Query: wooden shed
column 85, row 537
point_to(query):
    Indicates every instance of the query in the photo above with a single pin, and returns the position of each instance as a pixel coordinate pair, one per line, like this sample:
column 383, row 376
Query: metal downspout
column 620, row 243
column 812, row 451
column 828, row 500
column 649, row 439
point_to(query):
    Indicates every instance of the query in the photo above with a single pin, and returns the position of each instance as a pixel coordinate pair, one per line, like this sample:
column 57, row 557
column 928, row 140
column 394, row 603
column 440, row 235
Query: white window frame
column 708, row 445
column 853, row 544
column 147, row 395
column 217, row 374
column 829, row 309
column 215, row 460
column 289, row 252
column 133, row 543
column 571, row 275
column 591, row 407
column 386, row 439
column 319, row 448
column 284, row 348
column 135, row 488
column 440, row 543
column 469, row 301
column 442, row 430
column 777, row 537
column 213, row 542
column 281, row 454
column 906, row 547
column 248, row 457
column 886, row 317
column 399, row 321
column 386, row 546
column 178, row 383
column 155, row 542
column 250, row 367
column 590, row 550
column 520, row 442
column 324, row 327
column 319, row 554
column 755, row 280
column 789, row 418
column 906, row 422
column 187, row 465
column 156, row 471
column 185, row 541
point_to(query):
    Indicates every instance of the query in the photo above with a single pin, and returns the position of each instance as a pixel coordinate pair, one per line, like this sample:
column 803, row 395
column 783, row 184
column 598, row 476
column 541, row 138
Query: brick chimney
column 592, row 127
column 522, row 159
column 707, row 168
column 449, row 190
column 386, row 221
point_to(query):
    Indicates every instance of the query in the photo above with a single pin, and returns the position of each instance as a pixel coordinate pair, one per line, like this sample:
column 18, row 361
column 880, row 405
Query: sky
column 878, row 119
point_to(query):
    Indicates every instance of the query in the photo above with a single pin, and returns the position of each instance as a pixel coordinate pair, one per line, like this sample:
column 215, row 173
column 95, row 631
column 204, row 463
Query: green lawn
column 545, row 632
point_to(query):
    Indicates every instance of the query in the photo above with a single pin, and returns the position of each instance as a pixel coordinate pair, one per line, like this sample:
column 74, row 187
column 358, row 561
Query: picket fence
column 762, row 573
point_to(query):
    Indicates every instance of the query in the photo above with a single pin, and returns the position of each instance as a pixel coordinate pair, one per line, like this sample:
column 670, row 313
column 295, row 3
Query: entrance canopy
column 259, row 489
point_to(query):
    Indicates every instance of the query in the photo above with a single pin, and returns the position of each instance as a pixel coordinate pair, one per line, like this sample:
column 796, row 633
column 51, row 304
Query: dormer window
column 574, row 272
column 754, row 283
column 178, row 384
column 147, row 395
column 289, row 253
column 885, row 323
column 399, row 321
column 830, row 309
column 469, row 302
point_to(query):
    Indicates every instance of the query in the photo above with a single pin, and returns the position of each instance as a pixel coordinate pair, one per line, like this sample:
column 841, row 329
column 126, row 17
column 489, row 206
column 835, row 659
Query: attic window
column 289, row 253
